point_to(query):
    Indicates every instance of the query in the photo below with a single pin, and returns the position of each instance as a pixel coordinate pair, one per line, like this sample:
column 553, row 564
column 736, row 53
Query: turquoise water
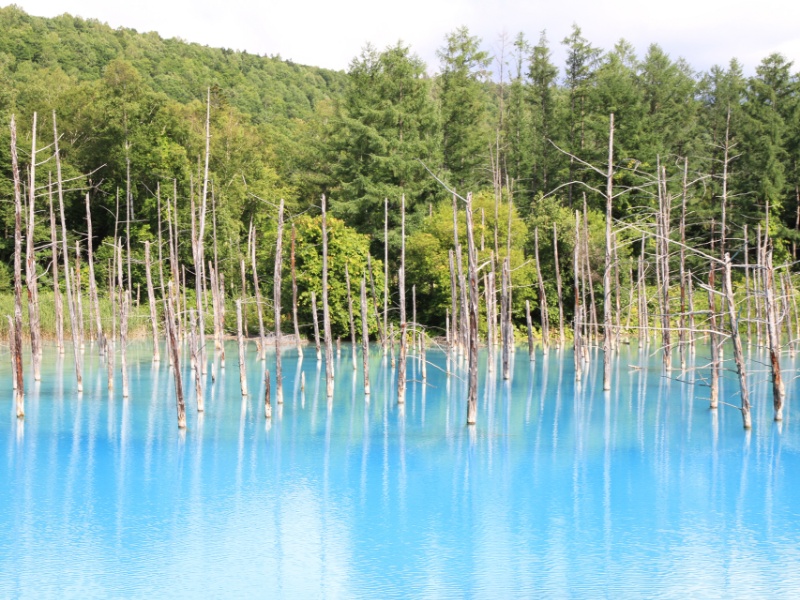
column 560, row 491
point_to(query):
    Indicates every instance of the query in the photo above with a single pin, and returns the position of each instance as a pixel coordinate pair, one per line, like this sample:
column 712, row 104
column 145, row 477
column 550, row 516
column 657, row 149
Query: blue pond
column 559, row 491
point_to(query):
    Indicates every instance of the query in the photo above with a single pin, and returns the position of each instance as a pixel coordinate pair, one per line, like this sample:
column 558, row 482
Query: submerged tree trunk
column 17, row 329
column 738, row 355
column 353, row 343
column 65, row 254
column 277, row 305
column 545, row 318
column 30, row 268
column 472, row 394
column 326, row 316
column 240, row 339
column 607, row 333
column 169, row 314
column 316, row 323
column 298, row 344
column 57, row 300
column 151, row 299
column 561, row 340
column 365, row 336
column 401, row 367
column 773, row 338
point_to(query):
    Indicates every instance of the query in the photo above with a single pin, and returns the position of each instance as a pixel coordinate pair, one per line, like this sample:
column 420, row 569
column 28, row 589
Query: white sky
column 329, row 33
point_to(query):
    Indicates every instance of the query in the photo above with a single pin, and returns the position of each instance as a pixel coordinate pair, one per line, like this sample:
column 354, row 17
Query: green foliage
column 384, row 135
column 345, row 246
column 465, row 132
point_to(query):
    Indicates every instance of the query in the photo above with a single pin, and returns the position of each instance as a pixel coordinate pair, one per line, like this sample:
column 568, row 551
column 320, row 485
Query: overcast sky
column 329, row 33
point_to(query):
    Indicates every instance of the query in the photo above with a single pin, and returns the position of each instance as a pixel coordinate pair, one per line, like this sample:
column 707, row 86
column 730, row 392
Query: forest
column 527, row 138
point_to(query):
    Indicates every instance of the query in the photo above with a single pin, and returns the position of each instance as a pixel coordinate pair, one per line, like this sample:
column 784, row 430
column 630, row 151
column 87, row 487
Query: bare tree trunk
column 79, row 291
column 561, row 339
column 17, row 329
column 414, row 339
column 57, row 301
column 316, row 323
column 715, row 366
column 592, row 306
column 778, row 391
column 65, row 254
column 491, row 322
column 123, row 340
column 365, row 336
column 463, row 334
column 30, row 268
column 353, row 343
column 607, row 333
column 326, row 316
column 472, row 395
column 299, row 344
column 151, row 299
column 277, row 306
column 757, row 280
column 664, row 219
column 738, row 355
column 200, row 257
column 576, row 270
column 169, row 313
column 506, row 320
column 381, row 331
column 196, row 351
column 261, row 335
column 13, row 352
column 93, row 298
column 385, row 270
column 545, row 318
column 401, row 368
column 690, row 300
column 454, row 309
column 682, row 273
column 240, row 338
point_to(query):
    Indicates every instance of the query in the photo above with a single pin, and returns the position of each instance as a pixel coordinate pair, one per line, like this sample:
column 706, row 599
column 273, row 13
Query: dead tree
column 267, row 396
column 299, row 345
column 545, row 319
column 65, row 254
column 326, row 315
column 57, row 301
column 30, row 268
column 277, row 305
column 365, row 336
column 261, row 335
column 123, row 340
column 17, row 329
column 169, row 314
column 151, row 299
column 561, row 340
column 316, row 323
column 401, row 367
column 607, row 333
column 240, row 339
column 472, row 258
column 773, row 337
column 350, row 316
column 738, row 355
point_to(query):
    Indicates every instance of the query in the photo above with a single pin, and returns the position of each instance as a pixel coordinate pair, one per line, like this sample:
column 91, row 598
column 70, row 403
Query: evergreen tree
column 769, row 108
column 385, row 133
column 465, row 131
column 517, row 124
column 543, row 94
column 581, row 62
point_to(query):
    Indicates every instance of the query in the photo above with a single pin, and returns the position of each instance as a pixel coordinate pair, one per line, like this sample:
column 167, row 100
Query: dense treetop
column 513, row 127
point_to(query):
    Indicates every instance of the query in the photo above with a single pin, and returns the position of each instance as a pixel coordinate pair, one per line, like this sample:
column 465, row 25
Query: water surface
column 559, row 491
